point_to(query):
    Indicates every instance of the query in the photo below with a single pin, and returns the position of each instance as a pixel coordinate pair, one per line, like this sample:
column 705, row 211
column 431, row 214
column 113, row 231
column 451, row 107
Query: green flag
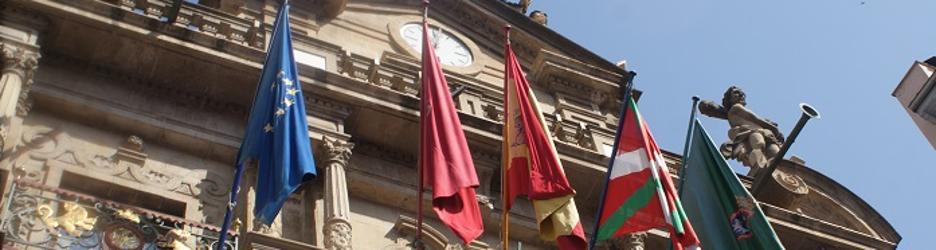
column 724, row 214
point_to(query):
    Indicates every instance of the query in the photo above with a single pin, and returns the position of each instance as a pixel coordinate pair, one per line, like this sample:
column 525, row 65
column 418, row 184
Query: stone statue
column 752, row 140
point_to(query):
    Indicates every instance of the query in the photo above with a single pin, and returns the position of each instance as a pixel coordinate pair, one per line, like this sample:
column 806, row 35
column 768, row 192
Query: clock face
column 448, row 48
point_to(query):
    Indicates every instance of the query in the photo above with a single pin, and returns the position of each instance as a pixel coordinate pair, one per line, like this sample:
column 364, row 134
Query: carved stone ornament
column 21, row 62
column 259, row 226
column 4, row 131
column 752, row 140
column 338, row 235
column 634, row 241
column 337, row 151
column 43, row 146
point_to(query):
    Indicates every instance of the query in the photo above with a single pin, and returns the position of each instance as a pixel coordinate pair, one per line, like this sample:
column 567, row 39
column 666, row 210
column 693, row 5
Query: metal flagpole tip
column 425, row 2
column 695, row 98
column 507, row 27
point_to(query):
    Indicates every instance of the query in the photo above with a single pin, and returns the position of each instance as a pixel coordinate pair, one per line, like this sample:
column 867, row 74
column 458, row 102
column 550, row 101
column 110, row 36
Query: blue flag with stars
column 277, row 135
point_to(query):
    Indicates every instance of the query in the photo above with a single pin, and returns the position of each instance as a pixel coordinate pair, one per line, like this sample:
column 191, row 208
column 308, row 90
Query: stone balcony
column 196, row 23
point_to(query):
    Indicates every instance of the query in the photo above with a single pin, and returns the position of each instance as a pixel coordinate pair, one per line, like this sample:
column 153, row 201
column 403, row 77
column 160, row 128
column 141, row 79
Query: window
column 924, row 104
column 209, row 3
column 312, row 60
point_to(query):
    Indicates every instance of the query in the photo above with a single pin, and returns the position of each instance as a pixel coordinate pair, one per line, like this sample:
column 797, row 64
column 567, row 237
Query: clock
column 449, row 49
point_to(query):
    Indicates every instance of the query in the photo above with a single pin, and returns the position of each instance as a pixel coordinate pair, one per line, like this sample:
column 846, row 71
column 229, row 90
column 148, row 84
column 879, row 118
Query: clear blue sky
column 841, row 56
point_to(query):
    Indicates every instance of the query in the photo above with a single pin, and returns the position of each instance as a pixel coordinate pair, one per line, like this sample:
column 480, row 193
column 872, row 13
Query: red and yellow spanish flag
column 531, row 164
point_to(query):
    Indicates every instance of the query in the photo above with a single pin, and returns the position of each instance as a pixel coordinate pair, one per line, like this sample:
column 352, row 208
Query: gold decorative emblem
column 128, row 215
column 236, row 225
column 175, row 239
column 74, row 220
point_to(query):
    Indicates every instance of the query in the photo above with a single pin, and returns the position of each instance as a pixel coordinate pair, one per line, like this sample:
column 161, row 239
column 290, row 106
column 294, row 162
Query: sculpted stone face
column 734, row 95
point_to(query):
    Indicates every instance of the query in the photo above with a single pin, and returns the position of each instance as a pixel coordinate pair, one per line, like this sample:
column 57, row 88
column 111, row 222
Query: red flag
column 444, row 157
column 532, row 164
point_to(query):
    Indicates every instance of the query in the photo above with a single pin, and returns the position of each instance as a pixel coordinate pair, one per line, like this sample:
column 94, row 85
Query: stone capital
column 337, row 151
column 20, row 60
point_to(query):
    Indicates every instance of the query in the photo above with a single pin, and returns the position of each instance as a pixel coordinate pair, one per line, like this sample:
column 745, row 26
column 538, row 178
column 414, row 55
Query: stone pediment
column 477, row 24
column 834, row 207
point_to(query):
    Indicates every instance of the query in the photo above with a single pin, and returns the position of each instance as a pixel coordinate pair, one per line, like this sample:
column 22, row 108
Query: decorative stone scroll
column 40, row 146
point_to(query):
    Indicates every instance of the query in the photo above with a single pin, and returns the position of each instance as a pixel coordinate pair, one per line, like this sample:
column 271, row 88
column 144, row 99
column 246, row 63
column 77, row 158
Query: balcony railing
column 41, row 217
column 212, row 23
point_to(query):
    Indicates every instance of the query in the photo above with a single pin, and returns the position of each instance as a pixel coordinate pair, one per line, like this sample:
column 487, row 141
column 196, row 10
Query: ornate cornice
column 386, row 154
column 14, row 13
column 322, row 105
column 186, row 98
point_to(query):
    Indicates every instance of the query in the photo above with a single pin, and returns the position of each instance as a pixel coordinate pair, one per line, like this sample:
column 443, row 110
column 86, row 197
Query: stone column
column 337, row 209
column 19, row 64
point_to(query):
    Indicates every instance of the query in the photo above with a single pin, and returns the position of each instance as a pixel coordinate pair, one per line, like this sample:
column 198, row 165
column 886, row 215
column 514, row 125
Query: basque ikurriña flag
column 531, row 164
column 277, row 136
column 443, row 152
column 640, row 194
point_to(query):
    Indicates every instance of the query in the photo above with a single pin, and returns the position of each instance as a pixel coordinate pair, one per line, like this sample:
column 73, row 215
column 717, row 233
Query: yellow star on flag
column 287, row 82
column 280, row 111
column 291, row 91
column 268, row 128
column 288, row 102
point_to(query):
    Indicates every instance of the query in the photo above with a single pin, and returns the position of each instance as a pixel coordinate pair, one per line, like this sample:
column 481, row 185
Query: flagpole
column 505, row 212
column 417, row 242
column 685, row 152
column 235, row 187
column 628, row 88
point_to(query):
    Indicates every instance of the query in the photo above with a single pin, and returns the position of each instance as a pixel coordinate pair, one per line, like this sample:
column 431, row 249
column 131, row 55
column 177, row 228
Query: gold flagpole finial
column 507, row 32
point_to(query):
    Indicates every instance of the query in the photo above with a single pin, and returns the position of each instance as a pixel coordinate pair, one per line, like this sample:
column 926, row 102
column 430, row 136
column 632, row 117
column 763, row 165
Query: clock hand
column 435, row 38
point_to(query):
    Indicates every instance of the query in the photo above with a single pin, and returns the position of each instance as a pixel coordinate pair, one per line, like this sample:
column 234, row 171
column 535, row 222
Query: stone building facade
column 915, row 94
column 120, row 119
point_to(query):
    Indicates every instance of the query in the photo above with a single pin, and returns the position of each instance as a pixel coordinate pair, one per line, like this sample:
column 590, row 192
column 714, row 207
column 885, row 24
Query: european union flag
column 277, row 135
